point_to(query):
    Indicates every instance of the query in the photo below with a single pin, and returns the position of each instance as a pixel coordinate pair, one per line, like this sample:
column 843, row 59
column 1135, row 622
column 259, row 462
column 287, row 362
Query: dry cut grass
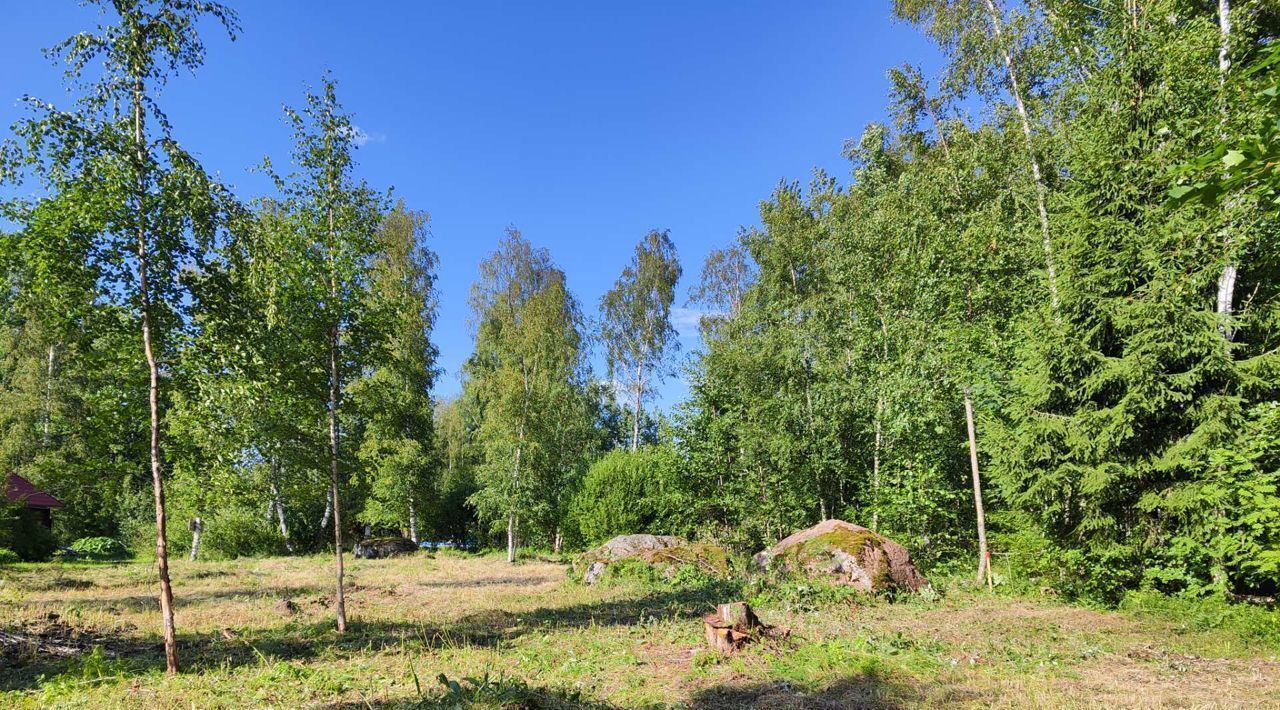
column 259, row 633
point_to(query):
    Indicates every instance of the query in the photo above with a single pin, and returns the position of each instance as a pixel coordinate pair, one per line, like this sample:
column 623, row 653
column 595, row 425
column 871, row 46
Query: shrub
column 239, row 531
column 8, row 557
column 488, row 691
column 1226, row 519
column 628, row 492
column 99, row 548
column 136, row 514
column 631, row 570
column 666, row 575
column 1032, row 563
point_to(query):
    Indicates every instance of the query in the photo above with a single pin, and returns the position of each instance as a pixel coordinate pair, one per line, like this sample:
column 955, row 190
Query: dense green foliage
column 1030, row 259
column 527, row 381
column 627, row 492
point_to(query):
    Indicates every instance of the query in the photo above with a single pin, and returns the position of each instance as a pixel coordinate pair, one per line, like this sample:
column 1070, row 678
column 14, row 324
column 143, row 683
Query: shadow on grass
column 852, row 692
column 22, row 669
column 485, row 693
column 860, row 691
column 145, row 602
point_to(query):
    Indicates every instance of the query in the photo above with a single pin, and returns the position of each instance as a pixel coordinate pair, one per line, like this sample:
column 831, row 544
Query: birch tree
column 636, row 321
column 158, row 206
column 397, row 448
column 1227, row 281
column 333, row 219
column 522, row 376
column 722, row 285
column 984, row 50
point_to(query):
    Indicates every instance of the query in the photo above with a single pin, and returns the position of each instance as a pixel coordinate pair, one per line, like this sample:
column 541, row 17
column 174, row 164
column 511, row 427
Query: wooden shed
column 19, row 490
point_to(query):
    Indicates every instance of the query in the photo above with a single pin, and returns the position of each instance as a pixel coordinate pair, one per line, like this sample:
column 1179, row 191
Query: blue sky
column 583, row 124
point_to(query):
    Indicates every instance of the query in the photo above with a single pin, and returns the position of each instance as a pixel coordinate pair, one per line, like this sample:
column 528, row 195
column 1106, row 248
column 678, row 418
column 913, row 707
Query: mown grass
column 471, row 631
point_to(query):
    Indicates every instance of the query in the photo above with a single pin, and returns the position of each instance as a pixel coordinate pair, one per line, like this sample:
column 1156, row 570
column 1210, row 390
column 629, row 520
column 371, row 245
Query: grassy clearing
column 526, row 636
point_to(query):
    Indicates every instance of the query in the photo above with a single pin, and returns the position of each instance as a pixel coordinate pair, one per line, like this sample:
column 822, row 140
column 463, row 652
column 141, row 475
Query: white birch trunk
column 413, row 521
column 339, row 600
column 511, row 517
column 879, row 427
column 197, row 530
column 277, row 506
column 875, row 469
column 335, row 393
column 153, row 390
column 1015, row 90
column 48, row 396
column 511, row 539
column 635, row 409
column 328, row 509
column 512, row 522
column 1227, row 281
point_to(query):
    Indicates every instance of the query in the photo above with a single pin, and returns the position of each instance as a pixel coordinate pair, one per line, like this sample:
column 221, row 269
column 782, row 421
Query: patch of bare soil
column 51, row 637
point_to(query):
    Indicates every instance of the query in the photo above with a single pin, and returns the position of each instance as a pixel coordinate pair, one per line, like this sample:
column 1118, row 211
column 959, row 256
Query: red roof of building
column 20, row 490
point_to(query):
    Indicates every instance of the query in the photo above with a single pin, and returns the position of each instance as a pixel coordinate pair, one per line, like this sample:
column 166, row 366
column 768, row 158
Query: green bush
column 36, row 543
column 634, row 570
column 99, row 548
column 488, row 691
column 137, row 522
column 628, row 492
column 239, row 531
column 8, row 557
column 630, row 570
column 1226, row 520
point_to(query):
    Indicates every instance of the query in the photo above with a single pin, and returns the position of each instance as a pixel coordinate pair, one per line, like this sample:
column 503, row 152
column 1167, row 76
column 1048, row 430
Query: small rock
column 594, row 570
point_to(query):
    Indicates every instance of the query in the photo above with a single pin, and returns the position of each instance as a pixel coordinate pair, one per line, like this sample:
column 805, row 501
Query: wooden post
column 984, row 557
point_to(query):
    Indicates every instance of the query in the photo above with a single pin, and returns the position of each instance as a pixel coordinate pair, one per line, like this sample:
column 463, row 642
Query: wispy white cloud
column 687, row 320
column 361, row 137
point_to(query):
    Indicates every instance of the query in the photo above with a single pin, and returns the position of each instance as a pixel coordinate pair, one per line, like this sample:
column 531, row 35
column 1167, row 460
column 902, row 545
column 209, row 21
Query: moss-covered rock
column 710, row 559
column 665, row 554
column 844, row 553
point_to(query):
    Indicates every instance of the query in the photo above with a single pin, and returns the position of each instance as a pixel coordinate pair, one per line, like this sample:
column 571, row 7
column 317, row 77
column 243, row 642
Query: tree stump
column 734, row 625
